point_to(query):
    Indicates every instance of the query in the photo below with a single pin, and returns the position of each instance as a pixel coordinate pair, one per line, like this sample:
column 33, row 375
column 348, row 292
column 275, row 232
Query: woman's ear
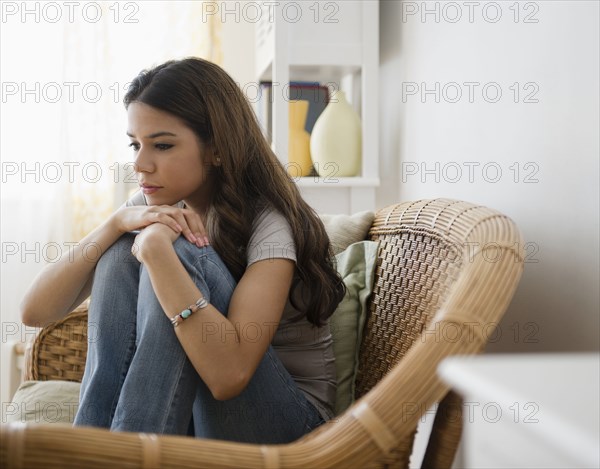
column 211, row 155
column 214, row 155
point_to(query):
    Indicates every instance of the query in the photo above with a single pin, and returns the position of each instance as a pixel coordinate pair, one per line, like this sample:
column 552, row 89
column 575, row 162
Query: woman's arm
column 221, row 353
column 61, row 286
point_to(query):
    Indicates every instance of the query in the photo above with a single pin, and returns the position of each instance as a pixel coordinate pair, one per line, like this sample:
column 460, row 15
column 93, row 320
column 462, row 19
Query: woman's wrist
column 114, row 223
column 153, row 250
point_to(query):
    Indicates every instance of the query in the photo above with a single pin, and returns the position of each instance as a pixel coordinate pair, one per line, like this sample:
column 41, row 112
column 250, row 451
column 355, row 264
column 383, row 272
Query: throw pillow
column 43, row 402
column 356, row 265
column 343, row 230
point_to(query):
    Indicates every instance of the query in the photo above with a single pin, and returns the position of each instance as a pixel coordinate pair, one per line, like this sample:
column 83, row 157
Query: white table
column 528, row 410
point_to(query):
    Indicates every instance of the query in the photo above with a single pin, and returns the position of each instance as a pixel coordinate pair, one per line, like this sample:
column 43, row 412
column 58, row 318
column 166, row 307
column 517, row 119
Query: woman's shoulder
column 271, row 235
column 267, row 216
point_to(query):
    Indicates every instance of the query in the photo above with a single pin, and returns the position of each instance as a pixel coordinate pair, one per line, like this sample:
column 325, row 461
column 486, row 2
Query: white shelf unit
column 335, row 43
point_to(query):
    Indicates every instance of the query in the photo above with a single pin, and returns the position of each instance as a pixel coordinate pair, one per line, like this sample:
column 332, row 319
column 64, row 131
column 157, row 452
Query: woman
column 212, row 294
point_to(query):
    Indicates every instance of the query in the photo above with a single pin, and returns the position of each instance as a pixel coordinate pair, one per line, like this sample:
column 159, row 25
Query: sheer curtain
column 64, row 152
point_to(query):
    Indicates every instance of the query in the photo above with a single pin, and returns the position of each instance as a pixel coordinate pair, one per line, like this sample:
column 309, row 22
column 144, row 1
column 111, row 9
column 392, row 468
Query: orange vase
column 299, row 162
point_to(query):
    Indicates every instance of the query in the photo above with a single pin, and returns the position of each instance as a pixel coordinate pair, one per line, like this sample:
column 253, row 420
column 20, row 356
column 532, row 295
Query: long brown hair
column 249, row 177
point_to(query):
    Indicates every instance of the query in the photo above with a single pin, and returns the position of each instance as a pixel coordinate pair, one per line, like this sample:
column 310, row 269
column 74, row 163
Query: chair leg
column 445, row 434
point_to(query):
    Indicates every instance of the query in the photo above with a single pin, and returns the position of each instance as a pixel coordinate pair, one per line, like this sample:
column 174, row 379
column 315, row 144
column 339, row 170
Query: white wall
column 547, row 151
column 237, row 42
column 553, row 142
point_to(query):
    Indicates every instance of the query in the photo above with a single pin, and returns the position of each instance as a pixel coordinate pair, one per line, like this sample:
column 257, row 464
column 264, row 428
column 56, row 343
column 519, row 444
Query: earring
column 218, row 160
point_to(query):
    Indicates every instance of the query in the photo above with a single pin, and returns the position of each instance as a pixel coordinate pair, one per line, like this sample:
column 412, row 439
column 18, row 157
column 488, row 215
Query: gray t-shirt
column 305, row 351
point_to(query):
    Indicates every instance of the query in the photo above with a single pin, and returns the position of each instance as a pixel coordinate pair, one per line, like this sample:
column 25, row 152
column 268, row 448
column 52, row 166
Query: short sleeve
column 271, row 239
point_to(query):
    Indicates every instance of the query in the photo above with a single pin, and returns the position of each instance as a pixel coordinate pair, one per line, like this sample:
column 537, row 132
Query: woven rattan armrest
column 59, row 349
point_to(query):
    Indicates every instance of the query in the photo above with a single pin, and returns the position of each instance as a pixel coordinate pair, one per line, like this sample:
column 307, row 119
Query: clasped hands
column 159, row 225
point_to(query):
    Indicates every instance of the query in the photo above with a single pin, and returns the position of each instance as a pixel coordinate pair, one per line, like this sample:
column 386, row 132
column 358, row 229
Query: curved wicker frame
column 59, row 350
column 445, row 267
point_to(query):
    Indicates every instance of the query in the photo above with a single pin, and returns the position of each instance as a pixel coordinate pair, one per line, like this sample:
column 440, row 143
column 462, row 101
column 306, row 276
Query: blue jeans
column 138, row 377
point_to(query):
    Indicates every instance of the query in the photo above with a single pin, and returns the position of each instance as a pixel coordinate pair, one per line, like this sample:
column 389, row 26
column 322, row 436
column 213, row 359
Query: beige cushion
column 356, row 265
column 343, row 230
column 43, row 402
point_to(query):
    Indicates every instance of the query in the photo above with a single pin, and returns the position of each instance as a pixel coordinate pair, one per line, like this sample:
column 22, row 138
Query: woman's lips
column 150, row 189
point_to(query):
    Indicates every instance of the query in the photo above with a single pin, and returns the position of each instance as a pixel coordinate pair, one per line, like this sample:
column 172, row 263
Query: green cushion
column 43, row 402
column 356, row 264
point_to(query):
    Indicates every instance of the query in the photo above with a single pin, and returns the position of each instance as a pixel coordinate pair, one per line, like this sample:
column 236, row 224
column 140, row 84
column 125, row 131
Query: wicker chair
column 446, row 269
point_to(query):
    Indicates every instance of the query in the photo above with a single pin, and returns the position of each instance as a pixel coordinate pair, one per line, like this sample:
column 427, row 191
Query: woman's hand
column 151, row 238
column 178, row 220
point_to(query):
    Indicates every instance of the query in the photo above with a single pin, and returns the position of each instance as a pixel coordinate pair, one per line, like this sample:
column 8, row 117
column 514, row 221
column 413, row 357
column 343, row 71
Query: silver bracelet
column 186, row 313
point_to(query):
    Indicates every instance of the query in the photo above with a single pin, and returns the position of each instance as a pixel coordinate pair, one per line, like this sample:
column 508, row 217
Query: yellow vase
column 299, row 162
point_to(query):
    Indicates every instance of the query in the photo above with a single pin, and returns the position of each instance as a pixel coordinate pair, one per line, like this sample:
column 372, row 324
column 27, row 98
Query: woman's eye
column 135, row 146
column 163, row 146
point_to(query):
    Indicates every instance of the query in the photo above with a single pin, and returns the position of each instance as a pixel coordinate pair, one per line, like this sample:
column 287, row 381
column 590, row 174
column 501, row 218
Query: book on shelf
column 316, row 94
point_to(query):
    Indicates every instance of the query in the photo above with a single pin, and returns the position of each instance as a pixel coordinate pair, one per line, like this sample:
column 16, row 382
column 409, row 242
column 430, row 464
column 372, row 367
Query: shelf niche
column 335, row 44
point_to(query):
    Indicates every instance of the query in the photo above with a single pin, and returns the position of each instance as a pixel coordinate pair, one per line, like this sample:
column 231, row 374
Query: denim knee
column 184, row 248
column 119, row 252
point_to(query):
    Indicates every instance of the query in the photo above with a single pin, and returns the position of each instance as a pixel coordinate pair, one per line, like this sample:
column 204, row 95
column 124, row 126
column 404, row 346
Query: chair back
column 431, row 253
column 418, row 262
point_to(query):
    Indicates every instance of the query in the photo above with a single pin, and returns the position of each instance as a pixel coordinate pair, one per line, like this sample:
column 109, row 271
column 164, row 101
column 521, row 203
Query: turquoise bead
column 186, row 313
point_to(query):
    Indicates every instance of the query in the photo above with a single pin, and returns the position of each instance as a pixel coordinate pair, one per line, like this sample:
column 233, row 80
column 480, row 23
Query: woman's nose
column 143, row 162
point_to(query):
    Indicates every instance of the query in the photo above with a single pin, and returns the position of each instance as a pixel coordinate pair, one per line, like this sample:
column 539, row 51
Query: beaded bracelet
column 186, row 313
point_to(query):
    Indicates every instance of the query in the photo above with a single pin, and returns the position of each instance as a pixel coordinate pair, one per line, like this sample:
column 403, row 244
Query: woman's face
column 171, row 162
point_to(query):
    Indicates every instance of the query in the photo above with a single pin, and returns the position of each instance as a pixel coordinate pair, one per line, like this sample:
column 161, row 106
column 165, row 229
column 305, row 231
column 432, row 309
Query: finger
column 185, row 227
column 190, row 223
column 195, row 223
column 168, row 220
